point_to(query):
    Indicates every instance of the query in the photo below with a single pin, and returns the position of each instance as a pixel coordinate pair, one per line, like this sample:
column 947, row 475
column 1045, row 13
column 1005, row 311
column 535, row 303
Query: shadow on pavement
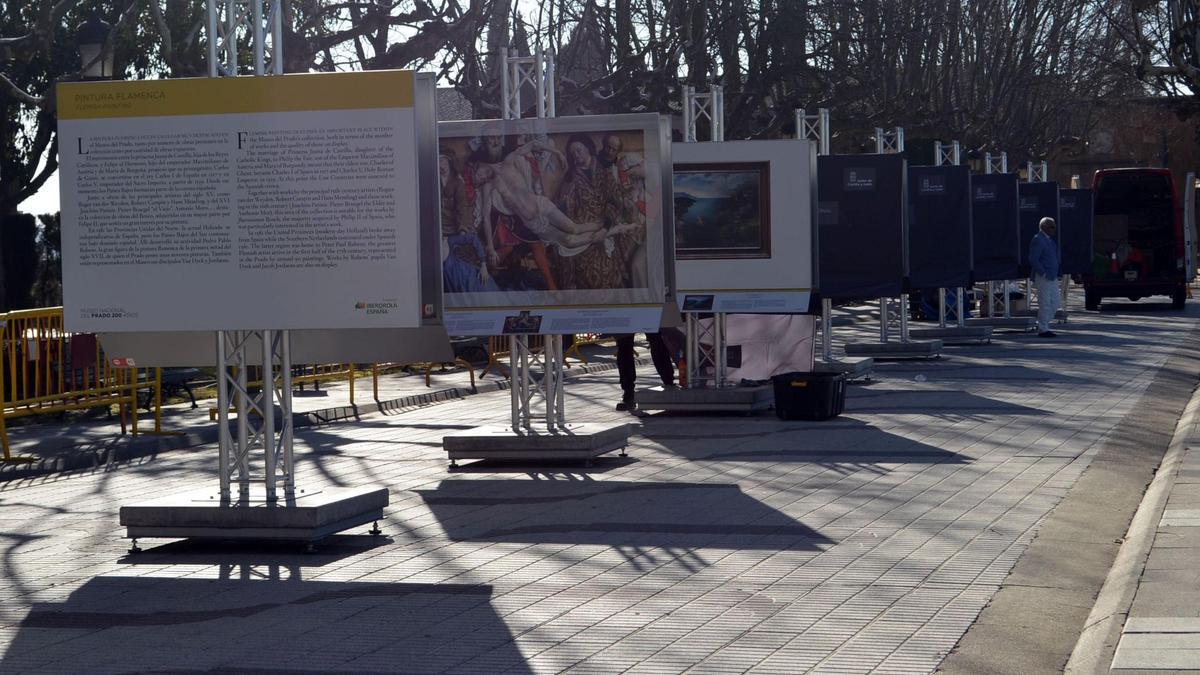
column 600, row 465
column 622, row 514
column 266, row 625
column 937, row 402
column 832, row 444
column 229, row 554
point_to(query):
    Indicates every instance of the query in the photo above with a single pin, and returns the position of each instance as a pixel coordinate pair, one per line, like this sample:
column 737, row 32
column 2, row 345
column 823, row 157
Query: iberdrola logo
column 383, row 307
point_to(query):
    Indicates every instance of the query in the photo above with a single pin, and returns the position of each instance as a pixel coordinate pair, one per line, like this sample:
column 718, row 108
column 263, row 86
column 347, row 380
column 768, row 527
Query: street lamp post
column 94, row 61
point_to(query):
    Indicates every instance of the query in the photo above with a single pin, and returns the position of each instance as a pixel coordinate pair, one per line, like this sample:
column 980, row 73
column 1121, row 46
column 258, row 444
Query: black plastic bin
column 809, row 396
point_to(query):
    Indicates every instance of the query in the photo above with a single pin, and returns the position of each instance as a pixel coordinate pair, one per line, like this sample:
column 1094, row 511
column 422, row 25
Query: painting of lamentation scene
column 543, row 212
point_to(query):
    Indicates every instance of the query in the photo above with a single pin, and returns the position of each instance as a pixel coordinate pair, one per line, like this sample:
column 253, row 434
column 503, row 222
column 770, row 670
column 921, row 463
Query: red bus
column 1139, row 246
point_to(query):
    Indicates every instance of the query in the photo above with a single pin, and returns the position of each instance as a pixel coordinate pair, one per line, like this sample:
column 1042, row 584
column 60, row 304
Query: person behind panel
column 1043, row 259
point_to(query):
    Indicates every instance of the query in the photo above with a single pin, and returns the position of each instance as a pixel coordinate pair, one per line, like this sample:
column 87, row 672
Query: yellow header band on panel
column 236, row 95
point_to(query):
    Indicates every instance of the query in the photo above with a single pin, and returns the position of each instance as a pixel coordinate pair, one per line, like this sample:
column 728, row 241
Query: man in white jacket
column 1043, row 261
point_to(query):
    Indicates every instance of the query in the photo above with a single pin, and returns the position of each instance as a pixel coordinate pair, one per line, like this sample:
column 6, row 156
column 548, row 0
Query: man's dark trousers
column 627, row 369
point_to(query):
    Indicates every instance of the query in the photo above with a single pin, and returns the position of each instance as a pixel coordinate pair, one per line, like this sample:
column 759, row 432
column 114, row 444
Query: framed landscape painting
column 722, row 210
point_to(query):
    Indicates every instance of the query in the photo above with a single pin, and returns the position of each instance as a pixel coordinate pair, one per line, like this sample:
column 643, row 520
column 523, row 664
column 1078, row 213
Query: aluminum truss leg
column 702, row 357
column 224, row 440
column 1065, row 286
column 524, row 387
column 827, row 330
column 904, row 318
column 719, row 350
column 884, row 320
column 275, row 443
column 959, row 307
column 942, row 307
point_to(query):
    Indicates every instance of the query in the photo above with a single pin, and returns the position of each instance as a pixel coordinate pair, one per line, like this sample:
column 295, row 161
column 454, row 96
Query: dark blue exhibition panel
column 995, row 222
column 939, row 227
column 1038, row 200
column 1075, row 231
column 861, row 229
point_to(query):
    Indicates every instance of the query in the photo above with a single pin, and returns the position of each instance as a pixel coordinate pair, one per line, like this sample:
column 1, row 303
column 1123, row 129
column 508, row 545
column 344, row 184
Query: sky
column 46, row 199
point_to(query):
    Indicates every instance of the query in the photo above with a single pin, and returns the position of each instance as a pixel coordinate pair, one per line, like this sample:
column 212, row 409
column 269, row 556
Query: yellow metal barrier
column 44, row 369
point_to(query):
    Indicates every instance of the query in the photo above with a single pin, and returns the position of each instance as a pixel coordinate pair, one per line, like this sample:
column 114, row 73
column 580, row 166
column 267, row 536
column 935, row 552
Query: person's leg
column 661, row 356
column 1056, row 292
column 626, row 370
column 1045, row 311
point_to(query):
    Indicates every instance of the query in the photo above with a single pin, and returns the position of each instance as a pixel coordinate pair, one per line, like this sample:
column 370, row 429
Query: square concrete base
column 309, row 516
column 913, row 349
column 955, row 335
column 1060, row 315
column 1017, row 323
column 709, row 399
column 854, row 367
column 574, row 442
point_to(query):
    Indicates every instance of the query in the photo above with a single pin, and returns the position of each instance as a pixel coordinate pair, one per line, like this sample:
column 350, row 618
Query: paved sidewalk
column 870, row 543
column 1147, row 618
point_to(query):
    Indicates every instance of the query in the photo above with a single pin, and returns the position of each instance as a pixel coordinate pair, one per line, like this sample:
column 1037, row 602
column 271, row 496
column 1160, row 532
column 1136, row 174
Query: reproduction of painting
column 722, row 210
column 552, row 212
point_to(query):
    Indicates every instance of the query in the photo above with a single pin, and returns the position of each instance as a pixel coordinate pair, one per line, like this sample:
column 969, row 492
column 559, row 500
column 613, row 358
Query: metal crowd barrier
column 45, row 370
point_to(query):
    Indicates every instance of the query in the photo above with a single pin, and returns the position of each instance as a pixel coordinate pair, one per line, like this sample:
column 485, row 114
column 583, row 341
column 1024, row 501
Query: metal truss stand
column 906, row 348
column 266, row 505
column 959, row 333
column 710, row 106
column 533, row 435
column 524, row 387
column 707, row 388
column 817, row 128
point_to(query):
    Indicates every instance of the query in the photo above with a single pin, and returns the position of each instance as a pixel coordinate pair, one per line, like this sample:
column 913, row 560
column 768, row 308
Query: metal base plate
column 309, row 516
column 913, row 349
column 708, row 399
column 853, row 366
column 951, row 335
column 1060, row 315
column 574, row 442
column 1018, row 323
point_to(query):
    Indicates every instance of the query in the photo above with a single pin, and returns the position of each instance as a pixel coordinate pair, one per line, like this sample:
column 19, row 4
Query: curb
column 126, row 448
column 1102, row 630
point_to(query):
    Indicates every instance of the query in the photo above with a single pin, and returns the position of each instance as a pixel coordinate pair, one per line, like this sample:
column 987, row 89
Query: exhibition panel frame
column 296, row 198
column 995, row 225
column 556, row 225
column 862, row 236
column 744, row 214
column 1076, row 230
column 939, row 227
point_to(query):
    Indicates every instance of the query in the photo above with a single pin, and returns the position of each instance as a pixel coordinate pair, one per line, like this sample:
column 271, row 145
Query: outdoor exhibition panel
column 744, row 212
column 1075, row 231
column 1038, row 200
column 556, row 225
column 995, row 225
column 939, row 226
column 861, row 238
column 284, row 202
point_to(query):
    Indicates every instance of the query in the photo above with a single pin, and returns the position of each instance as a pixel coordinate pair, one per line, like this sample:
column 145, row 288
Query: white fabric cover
column 771, row 344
